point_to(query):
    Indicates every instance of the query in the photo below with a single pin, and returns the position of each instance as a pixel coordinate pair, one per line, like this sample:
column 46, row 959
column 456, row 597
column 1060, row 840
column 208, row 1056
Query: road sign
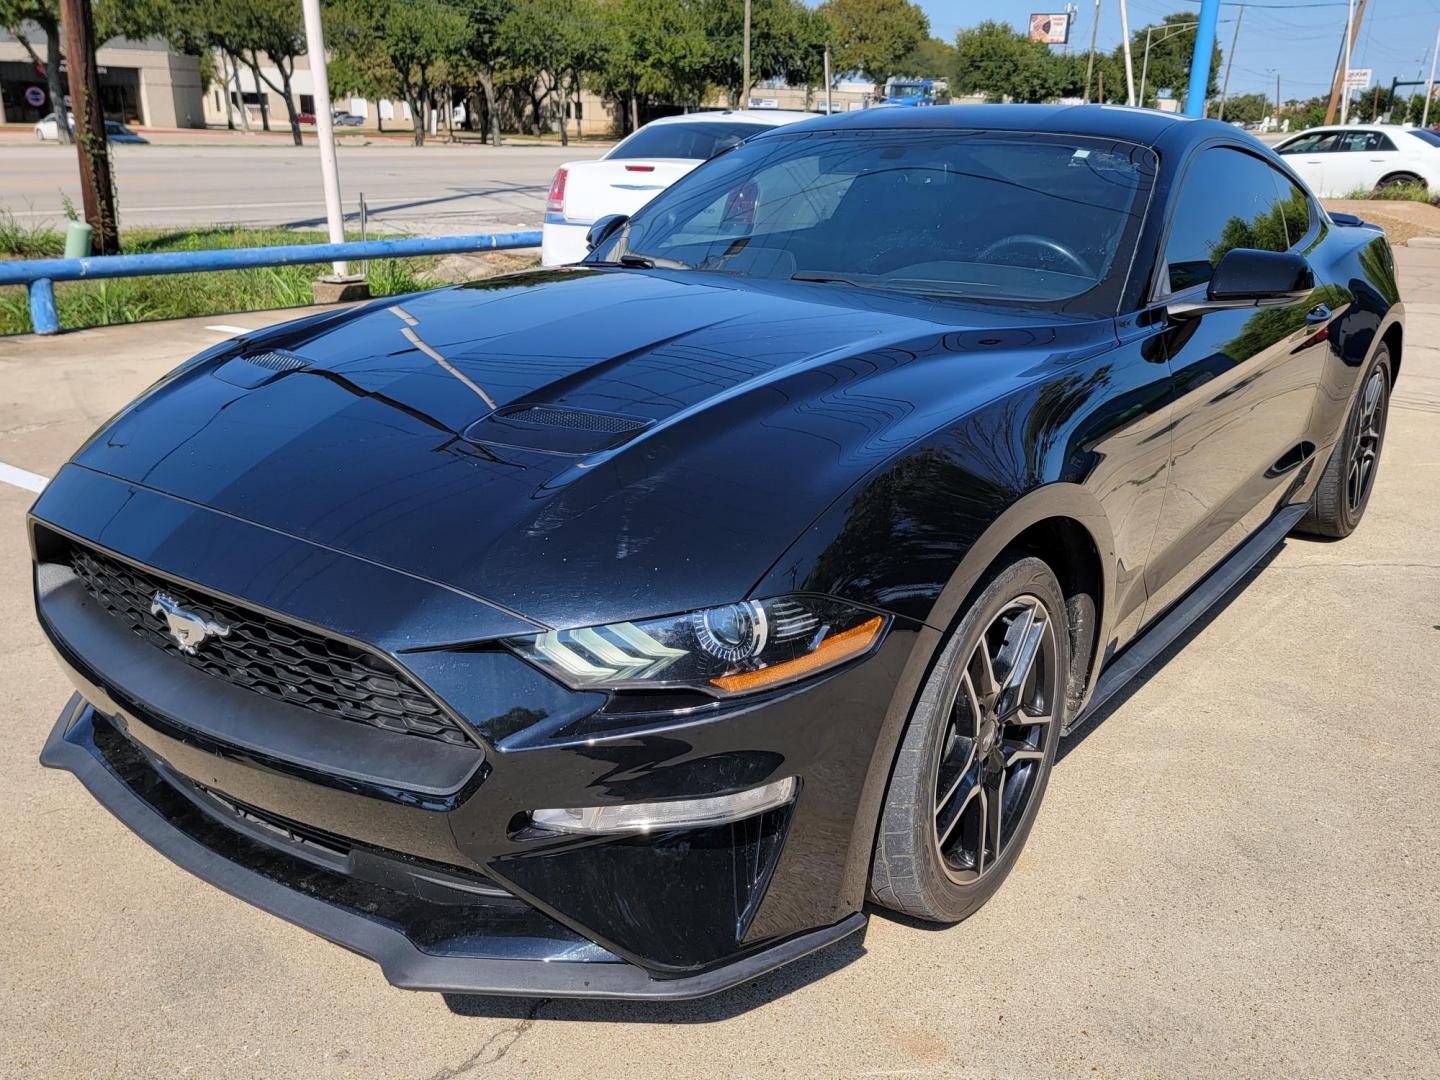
column 1051, row 29
column 35, row 96
column 1358, row 79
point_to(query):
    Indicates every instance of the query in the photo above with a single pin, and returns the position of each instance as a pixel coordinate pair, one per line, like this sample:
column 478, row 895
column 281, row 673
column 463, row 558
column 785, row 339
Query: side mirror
column 603, row 229
column 1246, row 277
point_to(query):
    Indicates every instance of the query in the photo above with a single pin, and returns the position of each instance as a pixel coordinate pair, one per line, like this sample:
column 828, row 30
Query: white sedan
column 1335, row 161
column 638, row 168
column 115, row 131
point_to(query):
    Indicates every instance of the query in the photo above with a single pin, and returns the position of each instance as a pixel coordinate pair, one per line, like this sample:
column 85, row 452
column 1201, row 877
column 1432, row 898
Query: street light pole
column 1090, row 65
column 1430, row 85
column 324, row 128
column 1145, row 63
column 745, row 78
column 829, row 104
column 1345, row 70
column 1129, row 61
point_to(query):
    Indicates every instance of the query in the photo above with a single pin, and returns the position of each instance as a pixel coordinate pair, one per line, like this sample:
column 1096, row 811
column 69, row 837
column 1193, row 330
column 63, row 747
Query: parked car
column 1335, row 161
column 346, row 119
column 115, row 131
column 618, row 630
column 637, row 169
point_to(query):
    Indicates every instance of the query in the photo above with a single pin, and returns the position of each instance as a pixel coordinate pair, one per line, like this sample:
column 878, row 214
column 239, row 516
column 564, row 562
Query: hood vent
column 259, row 368
column 555, row 429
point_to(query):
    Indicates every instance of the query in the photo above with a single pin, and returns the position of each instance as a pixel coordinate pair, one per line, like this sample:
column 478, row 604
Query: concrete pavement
column 1236, row 871
column 433, row 190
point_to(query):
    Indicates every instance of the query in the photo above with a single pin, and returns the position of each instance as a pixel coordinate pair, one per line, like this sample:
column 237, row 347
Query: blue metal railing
column 40, row 275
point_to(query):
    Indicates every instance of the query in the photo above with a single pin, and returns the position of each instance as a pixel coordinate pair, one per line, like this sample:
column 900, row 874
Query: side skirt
column 1162, row 633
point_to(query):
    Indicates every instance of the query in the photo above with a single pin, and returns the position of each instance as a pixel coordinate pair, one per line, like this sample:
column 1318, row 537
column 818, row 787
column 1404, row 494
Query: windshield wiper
column 829, row 279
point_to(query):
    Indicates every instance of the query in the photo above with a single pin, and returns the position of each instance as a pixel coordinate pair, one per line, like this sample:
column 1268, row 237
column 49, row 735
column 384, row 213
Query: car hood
column 578, row 446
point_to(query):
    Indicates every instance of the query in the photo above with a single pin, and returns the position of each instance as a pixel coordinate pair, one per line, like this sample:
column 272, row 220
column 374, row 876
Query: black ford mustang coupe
column 620, row 630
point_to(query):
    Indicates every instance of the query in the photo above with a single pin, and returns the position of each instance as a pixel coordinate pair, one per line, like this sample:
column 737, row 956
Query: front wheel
column 976, row 757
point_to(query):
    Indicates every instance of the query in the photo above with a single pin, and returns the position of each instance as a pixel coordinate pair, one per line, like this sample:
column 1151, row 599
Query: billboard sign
column 1050, row 29
column 1358, row 79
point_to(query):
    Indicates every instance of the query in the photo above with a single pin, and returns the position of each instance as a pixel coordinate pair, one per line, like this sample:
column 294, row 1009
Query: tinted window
column 1228, row 199
column 1007, row 217
column 1295, row 208
column 702, row 140
column 1356, row 142
column 1427, row 136
column 1317, row 142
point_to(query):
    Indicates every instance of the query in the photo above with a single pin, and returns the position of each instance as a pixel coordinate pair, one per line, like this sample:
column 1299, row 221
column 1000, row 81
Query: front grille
column 268, row 656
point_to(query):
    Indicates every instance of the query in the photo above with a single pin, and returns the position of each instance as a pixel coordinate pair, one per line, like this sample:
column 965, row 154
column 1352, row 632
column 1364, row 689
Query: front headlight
column 735, row 649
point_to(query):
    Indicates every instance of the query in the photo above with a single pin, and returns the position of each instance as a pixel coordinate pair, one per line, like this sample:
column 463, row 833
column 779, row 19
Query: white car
column 115, row 131
column 1334, row 161
column 638, row 168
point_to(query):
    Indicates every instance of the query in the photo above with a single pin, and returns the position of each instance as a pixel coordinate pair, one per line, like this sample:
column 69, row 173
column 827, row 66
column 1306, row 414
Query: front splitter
column 71, row 747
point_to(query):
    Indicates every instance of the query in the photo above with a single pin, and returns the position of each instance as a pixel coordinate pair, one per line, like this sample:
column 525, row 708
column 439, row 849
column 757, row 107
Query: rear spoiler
column 1350, row 219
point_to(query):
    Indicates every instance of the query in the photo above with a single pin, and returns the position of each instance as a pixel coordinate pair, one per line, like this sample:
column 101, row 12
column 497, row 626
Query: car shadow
column 776, row 984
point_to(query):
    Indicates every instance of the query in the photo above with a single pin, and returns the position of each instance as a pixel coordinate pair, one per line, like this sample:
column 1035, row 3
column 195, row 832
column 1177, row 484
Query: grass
column 178, row 296
column 1398, row 193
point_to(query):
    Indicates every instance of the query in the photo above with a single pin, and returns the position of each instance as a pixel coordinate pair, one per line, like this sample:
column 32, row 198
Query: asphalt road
column 1235, row 873
column 431, row 190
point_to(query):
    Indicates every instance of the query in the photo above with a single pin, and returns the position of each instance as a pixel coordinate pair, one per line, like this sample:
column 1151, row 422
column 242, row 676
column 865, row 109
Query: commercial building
column 141, row 82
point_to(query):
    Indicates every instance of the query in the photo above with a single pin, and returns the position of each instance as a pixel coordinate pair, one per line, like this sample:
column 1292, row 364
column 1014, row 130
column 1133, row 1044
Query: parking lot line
column 19, row 478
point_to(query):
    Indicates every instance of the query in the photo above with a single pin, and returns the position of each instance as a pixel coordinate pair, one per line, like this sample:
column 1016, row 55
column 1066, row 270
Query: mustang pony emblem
column 189, row 630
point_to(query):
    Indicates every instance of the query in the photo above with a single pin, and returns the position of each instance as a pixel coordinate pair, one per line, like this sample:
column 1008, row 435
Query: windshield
column 1004, row 217
column 702, row 140
column 907, row 90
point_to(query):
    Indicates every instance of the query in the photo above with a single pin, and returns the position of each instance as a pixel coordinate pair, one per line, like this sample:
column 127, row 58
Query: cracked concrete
column 1235, row 873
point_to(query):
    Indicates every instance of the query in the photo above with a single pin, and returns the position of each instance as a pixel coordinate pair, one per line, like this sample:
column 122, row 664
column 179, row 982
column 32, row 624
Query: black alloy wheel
column 974, row 763
column 1344, row 489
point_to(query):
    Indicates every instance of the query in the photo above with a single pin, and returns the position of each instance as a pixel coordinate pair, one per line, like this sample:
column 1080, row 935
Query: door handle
column 1319, row 313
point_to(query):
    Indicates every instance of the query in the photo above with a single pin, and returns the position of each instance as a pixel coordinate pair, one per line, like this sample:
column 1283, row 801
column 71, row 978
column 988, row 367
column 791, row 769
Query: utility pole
column 829, row 104
column 1090, row 65
column 1129, row 62
column 97, row 184
column 1351, row 26
column 1430, row 85
column 745, row 78
column 1353, row 16
column 1277, row 101
column 324, row 126
column 1229, row 60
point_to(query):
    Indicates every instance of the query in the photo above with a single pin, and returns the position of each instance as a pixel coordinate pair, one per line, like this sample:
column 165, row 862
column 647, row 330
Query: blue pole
column 43, row 317
column 1200, row 62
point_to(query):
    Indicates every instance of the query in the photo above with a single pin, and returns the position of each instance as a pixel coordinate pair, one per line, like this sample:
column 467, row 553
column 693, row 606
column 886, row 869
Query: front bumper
column 524, row 956
column 441, row 882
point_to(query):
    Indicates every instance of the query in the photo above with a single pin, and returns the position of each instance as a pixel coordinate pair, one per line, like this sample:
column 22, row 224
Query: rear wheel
column 1395, row 180
column 975, row 760
column 1344, row 490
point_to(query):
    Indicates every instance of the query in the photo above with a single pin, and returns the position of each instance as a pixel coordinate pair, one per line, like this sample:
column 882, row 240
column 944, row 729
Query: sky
column 1300, row 38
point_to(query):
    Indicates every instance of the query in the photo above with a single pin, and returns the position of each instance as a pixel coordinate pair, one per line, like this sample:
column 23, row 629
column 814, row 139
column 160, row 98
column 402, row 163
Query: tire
column 945, row 773
column 1399, row 180
column 1345, row 486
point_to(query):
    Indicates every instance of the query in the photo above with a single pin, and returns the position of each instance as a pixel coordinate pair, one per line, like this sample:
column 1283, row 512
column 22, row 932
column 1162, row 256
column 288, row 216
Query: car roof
column 1123, row 123
column 772, row 117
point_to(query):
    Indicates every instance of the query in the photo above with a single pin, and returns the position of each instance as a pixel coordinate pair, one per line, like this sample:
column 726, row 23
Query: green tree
column 655, row 48
column 998, row 61
column 413, row 38
column 787, row 41
column 874, row 36
column 1171, row 49
column 931, row 59
column 1248, row 108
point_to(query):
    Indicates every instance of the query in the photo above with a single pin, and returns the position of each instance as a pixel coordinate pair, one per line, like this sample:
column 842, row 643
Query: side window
column 1228, row 199
column 1359, row 142
column 1320, row 142
column 1295, row 208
